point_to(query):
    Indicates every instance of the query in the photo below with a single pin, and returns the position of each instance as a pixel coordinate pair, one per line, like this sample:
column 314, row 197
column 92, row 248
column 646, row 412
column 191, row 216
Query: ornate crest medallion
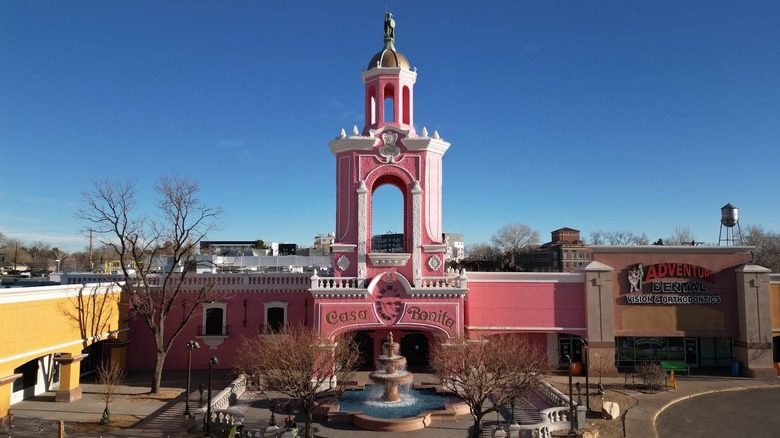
column 389, row 150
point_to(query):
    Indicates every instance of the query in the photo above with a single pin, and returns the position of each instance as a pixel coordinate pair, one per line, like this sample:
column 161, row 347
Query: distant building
column 390, row 242
column 455, row 247
column 564, row 253
column 322, row 243
column 287, row 249
column 231, row 248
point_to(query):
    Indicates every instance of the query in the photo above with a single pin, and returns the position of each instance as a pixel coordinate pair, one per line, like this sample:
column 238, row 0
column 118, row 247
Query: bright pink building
column 625, row 314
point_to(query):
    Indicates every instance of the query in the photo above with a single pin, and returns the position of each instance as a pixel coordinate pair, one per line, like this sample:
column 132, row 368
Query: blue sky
column 595, row 115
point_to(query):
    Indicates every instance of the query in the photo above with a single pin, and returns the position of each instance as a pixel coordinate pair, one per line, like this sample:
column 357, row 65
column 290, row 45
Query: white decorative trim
column 343, row 263
column 212, row 341
column 434, row 262
column 388, row 258
column 426, row 144
column 353, row 143
column 389, row 150
column 435, row 248
column 343, row 247
column 417, row 232
column 274, row 305
column 362, row 213
column 56, row 292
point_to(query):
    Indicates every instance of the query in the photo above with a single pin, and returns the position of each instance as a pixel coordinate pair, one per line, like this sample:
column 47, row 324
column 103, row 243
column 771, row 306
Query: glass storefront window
column 705, row 351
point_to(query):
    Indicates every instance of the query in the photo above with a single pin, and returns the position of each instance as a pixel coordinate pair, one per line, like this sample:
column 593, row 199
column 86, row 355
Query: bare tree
column 601, row 364
column 482, row 257
column 110, row 376
column 500, row 368
column 513, row 239
column 767, row 246
column 182, row 221
column 681, row 235
column 300, row 365
column 597, row 237
column 621, row 237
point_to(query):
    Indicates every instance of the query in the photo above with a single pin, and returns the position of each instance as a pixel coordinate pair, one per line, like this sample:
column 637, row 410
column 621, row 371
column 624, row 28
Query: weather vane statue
column 389, row 27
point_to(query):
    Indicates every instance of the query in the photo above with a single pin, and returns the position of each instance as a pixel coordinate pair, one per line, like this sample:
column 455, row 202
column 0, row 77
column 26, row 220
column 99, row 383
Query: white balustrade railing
column 450, row 282
column 336, row 283
column 230, row 394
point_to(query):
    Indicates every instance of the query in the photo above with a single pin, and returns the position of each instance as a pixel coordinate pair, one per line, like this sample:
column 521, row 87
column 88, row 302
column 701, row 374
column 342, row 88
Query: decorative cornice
column 426, row 144
column 595, row 267
column 343, row 247
column 435, row 248
column 352, row 143
column 395, row 71
column 339, row 293
column 388, row 259
column 752, row 269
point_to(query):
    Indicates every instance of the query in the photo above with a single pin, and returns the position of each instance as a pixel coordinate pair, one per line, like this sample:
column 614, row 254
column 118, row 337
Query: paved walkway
column 40, row 416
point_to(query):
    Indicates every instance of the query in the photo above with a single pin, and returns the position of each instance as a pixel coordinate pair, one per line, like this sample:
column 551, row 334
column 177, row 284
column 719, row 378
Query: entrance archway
column 365, row 343
column 416, row 346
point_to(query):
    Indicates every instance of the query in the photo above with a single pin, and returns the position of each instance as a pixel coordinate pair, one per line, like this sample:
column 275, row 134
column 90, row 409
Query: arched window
column 275, row 318
column 214, row 319
column 389, row 101
column 407, row 106
column 372, row 106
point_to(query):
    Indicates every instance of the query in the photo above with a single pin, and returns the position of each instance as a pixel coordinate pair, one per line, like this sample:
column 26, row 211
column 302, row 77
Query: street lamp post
column 213, row 361
column 584, row 342
column 190, row 346
column 571, row 399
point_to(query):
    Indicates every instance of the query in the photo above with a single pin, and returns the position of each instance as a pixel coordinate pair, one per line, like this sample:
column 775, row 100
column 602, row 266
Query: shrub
column 652, row 375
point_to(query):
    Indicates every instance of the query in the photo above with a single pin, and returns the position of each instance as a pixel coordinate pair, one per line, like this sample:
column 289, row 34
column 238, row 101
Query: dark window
column 213, row 322
column 275, row 319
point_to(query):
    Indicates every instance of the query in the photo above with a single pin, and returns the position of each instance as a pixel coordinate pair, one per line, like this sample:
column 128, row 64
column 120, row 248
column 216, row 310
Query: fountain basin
column 412, row 412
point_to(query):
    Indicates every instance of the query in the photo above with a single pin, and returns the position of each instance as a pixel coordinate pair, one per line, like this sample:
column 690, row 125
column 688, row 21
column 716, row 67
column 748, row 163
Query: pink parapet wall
column 525, row 302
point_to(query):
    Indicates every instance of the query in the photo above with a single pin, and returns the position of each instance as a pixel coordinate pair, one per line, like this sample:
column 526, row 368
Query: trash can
column 734, row 368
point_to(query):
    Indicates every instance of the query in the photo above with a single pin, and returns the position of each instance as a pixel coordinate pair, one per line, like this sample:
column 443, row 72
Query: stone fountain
column 391, row 370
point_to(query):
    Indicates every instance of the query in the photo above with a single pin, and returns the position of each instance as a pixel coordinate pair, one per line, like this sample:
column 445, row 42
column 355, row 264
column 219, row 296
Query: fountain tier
column 391, row 370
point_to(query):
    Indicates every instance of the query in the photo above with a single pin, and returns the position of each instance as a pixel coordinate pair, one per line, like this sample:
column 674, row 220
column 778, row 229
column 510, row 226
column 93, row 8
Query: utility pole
column 91, row 265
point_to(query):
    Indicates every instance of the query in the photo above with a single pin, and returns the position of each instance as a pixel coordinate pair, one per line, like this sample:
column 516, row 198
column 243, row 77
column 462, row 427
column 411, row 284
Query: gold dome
column 388, row 57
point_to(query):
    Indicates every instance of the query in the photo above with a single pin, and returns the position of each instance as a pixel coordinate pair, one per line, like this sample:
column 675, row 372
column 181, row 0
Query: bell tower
column 389, row 152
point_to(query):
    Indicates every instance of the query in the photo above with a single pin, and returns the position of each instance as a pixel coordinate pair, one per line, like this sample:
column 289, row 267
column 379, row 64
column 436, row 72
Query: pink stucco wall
column 525, row 302
column 244, row 296
column 535, row 304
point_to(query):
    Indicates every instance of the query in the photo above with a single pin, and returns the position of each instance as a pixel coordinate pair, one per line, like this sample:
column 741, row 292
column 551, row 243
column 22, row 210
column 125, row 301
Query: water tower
column 729, row 217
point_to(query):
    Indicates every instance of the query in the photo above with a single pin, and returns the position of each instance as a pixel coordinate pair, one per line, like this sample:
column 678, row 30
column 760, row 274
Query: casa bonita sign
column 390, row 312
column 664, row 290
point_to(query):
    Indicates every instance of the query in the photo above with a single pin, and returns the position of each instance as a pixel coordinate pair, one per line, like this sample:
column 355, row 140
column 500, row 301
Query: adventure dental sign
column 692, row 291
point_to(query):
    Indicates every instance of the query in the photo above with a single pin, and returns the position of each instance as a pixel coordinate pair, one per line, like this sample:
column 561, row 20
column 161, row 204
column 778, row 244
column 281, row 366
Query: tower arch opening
column 406, row 99
column 388, row 210
column 371, row 106
column 389, row 103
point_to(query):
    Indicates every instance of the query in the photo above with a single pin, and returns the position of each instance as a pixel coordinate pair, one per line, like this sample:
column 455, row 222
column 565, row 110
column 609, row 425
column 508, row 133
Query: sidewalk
column 40, row 415
column 163, row 418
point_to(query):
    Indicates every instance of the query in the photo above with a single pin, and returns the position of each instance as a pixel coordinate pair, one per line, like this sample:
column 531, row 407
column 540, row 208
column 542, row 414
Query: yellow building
column 51, row 335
